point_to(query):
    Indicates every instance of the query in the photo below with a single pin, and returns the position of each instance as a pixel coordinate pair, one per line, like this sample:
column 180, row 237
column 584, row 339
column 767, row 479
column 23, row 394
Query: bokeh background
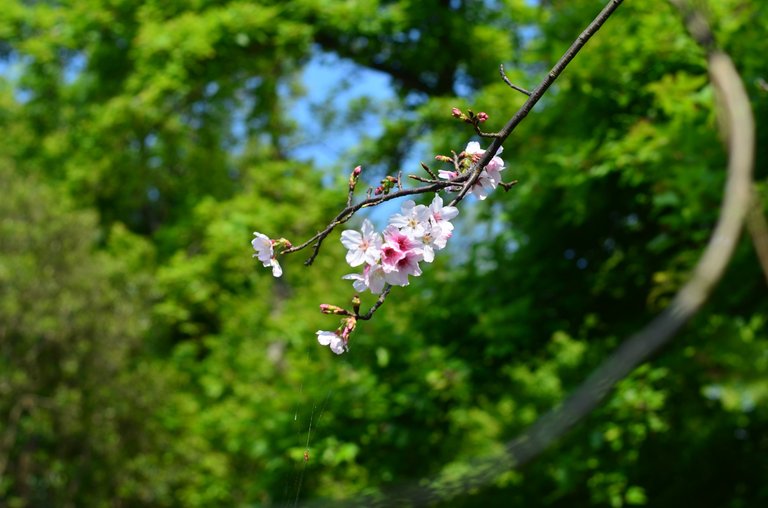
column 147, row 360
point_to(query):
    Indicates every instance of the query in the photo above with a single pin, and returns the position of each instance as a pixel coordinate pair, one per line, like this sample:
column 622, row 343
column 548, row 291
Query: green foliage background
column 147, row 360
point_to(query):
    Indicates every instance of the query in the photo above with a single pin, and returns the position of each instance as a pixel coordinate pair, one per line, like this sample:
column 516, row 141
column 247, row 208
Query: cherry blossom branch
column 347, row 213
column 415, row 234
column 536, row 95
column 738, row 119
column 469, row 179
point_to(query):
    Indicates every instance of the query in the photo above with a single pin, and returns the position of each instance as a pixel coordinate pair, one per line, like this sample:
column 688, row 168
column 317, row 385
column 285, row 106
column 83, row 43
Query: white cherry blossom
column 372, row 279
column 364, row 246
column 440, row 215
column 333, row 340
column 412, row 220
column 435, row 238
column 265, row 252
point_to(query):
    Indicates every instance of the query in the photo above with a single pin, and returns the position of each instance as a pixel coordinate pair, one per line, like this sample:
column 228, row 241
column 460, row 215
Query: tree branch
column 347, row 213
column 536, row 95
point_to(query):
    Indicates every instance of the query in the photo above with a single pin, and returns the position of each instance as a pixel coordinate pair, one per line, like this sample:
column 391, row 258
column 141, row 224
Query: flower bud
column 356, row 304
column 282, row 243
column 326, row 308
column 456, row 113
column 482, row 116
column 348, row 327
column 354, row 177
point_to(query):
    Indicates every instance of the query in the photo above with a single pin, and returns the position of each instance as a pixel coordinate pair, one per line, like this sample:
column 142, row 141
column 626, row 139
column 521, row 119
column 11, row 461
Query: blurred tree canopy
column 147, row 360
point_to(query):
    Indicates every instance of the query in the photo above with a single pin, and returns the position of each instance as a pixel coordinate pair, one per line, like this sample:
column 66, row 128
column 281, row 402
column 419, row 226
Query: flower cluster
column 489, row 178
column 412, row 236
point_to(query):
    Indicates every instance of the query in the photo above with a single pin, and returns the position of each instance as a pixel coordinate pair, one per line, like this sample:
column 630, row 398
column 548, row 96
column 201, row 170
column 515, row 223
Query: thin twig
column 428, row 170
column 375, row 307
column 510, row 84
column 508, row 185
column 349, row 196
column 422, row 179
column 483, row 134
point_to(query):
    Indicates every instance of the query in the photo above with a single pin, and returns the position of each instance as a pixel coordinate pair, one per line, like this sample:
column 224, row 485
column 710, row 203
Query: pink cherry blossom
column 390, row 256
column 490, row 176
column 407, row 265
column 396, row 247
column 400, row 256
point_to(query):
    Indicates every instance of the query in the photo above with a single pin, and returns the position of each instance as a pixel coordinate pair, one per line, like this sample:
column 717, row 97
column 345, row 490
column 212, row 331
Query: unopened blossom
column 482, row 116
column 412, row 219
column 332, row 339
column 326, row 308
column 349, row 326
column 364, row 246
column 265, row 252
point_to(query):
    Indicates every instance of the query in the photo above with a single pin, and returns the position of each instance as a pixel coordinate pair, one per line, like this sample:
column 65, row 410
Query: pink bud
column 482, row 116
column 357, row 170
column 348, row 327
column 326, row 308
column 456, row 113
